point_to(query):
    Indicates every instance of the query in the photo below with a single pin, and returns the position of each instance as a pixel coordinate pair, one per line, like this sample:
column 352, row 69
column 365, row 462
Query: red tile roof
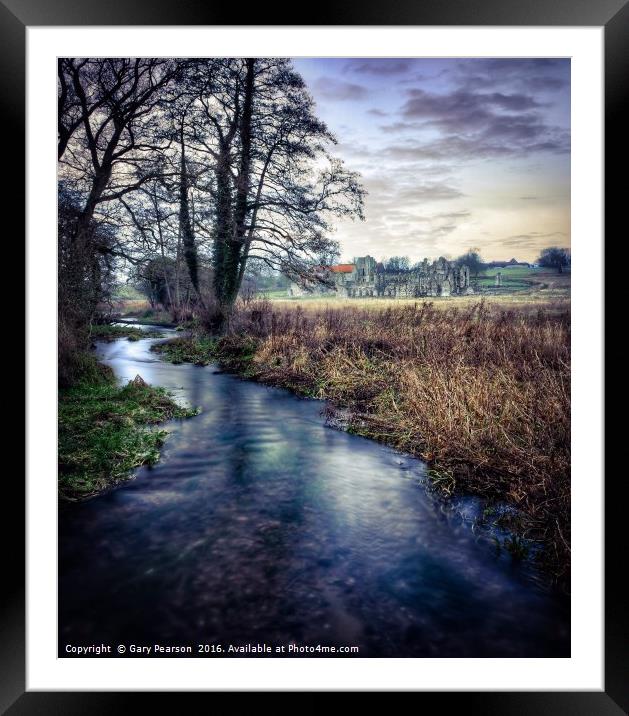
column 342, row 268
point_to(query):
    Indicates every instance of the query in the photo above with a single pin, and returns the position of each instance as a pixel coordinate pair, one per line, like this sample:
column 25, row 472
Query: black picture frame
column 17, row 15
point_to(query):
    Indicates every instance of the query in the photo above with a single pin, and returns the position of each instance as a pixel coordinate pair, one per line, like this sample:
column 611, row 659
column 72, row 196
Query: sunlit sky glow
column 455, row 153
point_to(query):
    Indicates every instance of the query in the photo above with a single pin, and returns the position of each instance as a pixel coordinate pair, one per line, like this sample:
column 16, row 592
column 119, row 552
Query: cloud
column 396, row 127
column 478, row 124
column 534, row 239
column 429, row 191
column 338, row 90
column 525, row 246
column 463, row 110
column 436, row 150
column 354, row 150
column 453, row 153
column 383, row 67
column 551, row 84
column 463, row 214
column 532, row 74
column 470, row 129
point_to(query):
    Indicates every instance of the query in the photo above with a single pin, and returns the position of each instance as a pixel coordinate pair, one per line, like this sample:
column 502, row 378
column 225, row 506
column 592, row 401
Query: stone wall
column 441, row 278
column 369, row 279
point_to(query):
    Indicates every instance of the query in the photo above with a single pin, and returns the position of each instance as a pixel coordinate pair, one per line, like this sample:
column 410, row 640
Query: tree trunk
column 223, row 226
column 187, row 233
column 243, row 187
column 231, row 229
column 162, row 252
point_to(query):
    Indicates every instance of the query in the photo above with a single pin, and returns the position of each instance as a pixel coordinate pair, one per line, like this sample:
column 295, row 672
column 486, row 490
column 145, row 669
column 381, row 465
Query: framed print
column 322, row 379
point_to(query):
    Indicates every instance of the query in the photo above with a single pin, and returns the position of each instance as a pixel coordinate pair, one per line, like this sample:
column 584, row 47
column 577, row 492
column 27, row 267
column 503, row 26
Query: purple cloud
column 334, row 89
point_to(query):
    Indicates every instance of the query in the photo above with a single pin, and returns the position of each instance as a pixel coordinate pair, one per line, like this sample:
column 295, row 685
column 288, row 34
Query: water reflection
column 261, row 524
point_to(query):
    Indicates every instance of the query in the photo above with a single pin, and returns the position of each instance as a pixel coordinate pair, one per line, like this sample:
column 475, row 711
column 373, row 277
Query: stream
column 262, row 525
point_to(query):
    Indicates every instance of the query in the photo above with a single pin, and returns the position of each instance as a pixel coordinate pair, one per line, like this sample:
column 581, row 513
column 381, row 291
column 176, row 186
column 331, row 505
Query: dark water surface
column 262, row 525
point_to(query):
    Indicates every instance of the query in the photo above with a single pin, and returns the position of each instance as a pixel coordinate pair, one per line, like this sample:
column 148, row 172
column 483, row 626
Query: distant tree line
column 552, row 257
column 402, row 264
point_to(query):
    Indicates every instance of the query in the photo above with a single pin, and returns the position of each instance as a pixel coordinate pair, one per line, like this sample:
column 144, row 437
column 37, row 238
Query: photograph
column 315, row 373
column 314, row 357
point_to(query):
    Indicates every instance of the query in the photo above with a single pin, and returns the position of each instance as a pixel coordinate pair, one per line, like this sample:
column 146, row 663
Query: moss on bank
column 103, row 432
column 199, row 351
column 108, row 332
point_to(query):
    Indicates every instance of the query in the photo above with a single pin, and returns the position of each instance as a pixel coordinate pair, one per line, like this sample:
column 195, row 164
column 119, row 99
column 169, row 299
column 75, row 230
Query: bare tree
column 114, row 100
column 108, row 114
column 275, row 186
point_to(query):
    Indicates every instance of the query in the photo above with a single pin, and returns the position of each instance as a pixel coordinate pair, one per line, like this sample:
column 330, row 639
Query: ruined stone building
column 366, row 277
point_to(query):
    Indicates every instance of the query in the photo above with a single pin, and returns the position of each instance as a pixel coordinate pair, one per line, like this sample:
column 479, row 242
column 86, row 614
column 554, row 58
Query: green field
column 272, row 295
column 522, row 279
column 514, row 280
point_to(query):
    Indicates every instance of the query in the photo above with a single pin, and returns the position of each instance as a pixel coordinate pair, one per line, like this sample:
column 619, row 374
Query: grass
column 542, row 283
column 549, row 300
column 273, row 294
column 103, row 432
column 515, row 272
column 510, row 284
column 109, row 332
column 478, row 389
column 183, row 350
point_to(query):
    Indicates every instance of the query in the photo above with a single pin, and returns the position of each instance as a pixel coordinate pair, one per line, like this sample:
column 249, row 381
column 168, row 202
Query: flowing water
column 260, row 525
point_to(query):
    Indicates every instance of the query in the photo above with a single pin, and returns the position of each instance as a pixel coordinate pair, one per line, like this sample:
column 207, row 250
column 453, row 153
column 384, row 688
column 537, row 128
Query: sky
column 454, row 153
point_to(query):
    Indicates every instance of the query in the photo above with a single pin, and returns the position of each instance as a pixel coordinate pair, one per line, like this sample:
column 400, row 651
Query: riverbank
column 112, row 332
column 481, row 393
column 105, row 431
